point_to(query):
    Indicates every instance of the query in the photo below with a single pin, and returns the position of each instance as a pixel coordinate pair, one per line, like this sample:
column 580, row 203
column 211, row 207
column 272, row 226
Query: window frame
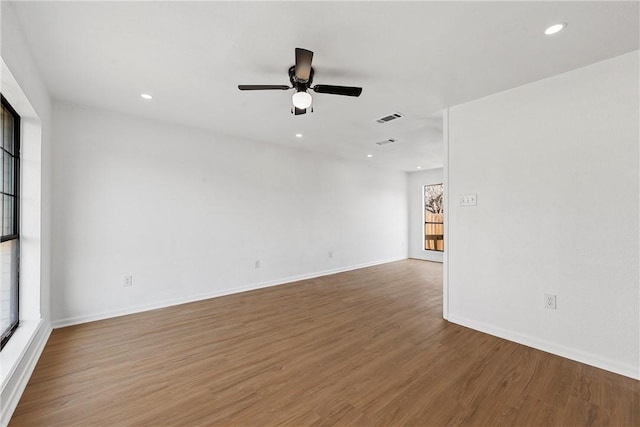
column 6, row 335
column 432, row 223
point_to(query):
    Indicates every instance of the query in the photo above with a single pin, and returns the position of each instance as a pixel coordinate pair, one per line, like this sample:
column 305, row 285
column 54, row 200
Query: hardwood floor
column 367, row 347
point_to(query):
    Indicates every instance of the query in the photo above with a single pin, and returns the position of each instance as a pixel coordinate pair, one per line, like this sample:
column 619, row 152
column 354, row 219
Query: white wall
column 30, row 97
column 555, row 167
column 188, row 213
column 25, row 90
column 416, row 183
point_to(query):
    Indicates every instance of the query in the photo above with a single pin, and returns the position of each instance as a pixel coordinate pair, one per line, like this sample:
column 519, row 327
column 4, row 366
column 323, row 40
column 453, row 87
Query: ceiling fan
column 301, row 78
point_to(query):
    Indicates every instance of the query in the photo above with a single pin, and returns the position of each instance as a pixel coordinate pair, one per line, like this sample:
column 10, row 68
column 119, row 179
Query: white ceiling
column 410, row 57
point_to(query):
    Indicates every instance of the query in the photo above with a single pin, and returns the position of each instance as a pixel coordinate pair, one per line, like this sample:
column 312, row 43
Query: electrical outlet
column 128, row 280
column 256, row 264
column 550, row 301
column 468, row 199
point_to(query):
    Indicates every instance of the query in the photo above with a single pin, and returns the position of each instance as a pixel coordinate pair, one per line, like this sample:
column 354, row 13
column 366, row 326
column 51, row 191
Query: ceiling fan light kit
column 301, row 78
column 301, row 100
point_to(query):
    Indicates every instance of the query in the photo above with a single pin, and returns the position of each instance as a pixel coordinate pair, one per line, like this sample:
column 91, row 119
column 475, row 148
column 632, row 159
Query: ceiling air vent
column 388, row 118
column 386, row 141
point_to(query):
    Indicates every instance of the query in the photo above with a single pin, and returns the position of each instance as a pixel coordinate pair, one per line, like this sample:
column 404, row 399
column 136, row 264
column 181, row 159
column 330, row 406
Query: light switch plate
column 468, row 199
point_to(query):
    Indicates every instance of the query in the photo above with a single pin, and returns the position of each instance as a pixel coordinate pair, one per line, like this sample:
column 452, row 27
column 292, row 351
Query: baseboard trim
column 559, row 350
column 426, row 255
column 18, row 379
column 70, row 321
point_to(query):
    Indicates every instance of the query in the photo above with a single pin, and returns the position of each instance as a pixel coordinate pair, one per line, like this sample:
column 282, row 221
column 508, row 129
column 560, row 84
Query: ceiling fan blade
column 303, row 64
column 338, row 90
column 299, row 111
column 263, row 87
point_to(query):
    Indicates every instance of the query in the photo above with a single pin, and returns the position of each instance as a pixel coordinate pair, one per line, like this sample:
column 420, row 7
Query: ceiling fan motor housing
column 300, row 85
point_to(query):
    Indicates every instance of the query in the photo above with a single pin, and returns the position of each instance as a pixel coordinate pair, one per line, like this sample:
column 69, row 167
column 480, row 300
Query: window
column 433, row 217
column 9, row 207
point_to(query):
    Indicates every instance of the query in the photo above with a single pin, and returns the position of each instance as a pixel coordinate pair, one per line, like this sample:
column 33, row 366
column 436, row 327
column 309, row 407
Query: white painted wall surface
column 416, row 183
column 23, row 87
column 31, row 99
column 555, row 167
column 188, row 213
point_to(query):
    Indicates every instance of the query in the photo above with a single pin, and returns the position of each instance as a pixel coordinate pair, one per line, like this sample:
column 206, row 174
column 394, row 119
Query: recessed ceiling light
column 298, row 135
column 419, row 167
column 555, row 28
column 369, row 155
column 146, row 96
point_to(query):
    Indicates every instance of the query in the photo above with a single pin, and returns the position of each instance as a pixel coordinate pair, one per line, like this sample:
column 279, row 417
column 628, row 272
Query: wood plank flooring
column 366, row 347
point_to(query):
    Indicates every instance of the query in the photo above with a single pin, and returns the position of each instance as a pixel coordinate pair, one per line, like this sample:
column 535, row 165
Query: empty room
column 384, row 213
